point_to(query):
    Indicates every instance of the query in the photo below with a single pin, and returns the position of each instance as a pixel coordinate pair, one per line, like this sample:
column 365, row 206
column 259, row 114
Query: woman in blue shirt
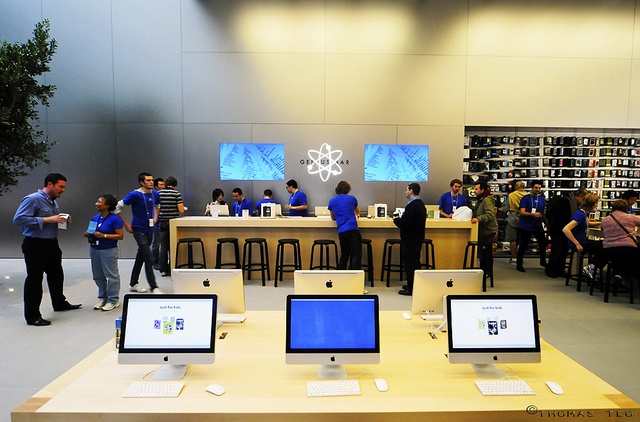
column 345, row 210
column 576, row 232
column 105, row 229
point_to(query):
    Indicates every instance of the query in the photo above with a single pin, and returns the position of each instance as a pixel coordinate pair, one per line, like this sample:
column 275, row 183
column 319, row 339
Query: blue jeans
column 143, row 257
column 104, row 266
column 155, row 246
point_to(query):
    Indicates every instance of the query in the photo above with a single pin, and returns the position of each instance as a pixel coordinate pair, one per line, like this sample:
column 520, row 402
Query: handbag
column 631, row 235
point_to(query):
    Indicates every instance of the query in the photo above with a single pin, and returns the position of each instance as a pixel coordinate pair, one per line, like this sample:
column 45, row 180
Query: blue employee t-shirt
column 343, row 207
column 107, row 225
column 297, row 199
column 579, row 231
column 143, row 208
column 449, row 203
column 532, row 204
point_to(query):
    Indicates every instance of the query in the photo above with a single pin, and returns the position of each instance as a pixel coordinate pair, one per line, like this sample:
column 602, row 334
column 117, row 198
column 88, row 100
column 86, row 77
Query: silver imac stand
column 170, row 372
column 488, row 370
column 332, row 372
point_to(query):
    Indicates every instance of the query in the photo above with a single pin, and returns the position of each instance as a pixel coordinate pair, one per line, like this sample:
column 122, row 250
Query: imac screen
column 493, row 329
column 430, row 287
column 393, row 163
column 332, row 330
column 169, row 329
column 251, row 161
column 348, row 282
column 227, row 284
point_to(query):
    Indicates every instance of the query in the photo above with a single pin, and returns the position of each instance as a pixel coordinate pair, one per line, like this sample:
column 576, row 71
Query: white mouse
column 381, row 384
column 406, row 315
column 554, row 387
column 216, row 389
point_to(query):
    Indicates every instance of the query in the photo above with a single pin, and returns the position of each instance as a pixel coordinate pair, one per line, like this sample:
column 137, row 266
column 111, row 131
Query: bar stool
column 325, row 257
column 387, row 260
column 247, row 262
column 189, row 241
column 579, row 276
column 469, row 261
column 281, row 267
column 369, row 265
column 233, row 241
column 429, row 255
column 611, row 268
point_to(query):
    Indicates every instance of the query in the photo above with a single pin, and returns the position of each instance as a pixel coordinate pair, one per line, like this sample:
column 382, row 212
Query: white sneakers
column 100, row 304
column 512, row 261
column 138, row 288
column 588, row 270
column 110, row 306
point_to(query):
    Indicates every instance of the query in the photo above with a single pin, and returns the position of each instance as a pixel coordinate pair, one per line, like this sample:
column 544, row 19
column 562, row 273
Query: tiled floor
column 605, row 338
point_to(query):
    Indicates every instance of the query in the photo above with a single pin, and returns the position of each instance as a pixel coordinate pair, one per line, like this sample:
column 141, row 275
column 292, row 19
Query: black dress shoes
column 68, row 307
column 39, row 322
column 404, row 292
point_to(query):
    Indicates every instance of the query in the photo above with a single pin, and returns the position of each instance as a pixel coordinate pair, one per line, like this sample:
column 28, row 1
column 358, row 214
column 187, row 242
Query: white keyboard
column 504, row 388
column 231, row 318
column 154, row 389
column 333, row 388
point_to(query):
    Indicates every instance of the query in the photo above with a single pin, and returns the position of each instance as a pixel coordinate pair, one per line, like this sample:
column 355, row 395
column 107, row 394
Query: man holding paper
column 39, row 216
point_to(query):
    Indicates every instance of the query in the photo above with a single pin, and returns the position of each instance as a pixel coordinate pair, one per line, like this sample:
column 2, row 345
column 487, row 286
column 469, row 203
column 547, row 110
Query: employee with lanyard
column 297, row 205
column 145, row 204
column 450, row 201
column 531, row 218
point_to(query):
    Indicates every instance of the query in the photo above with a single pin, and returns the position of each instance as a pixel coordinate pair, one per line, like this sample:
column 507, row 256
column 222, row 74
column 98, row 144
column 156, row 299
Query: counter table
column 449, row 237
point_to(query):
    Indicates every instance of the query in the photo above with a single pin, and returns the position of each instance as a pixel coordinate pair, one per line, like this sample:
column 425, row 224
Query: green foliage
column 22, row 145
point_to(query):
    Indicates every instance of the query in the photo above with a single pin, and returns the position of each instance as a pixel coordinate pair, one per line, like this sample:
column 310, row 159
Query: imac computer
column 485, row 330
column 430, row 287
column 169, row 329
column 331, row 331
column 227, row 284
column 219, row 210
column 349, row 282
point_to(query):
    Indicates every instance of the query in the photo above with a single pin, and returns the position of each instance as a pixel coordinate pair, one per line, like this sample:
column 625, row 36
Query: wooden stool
column 369, row 265
column 469, row 261
column 429, row 255
column 281, row 267
column 189, row 241
column 387, row 261
column 247, row 262
column 233, row 241
column 325, row 257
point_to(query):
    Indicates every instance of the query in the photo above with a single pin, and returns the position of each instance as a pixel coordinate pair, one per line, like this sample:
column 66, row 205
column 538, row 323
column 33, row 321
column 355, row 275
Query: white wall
column 155, row 85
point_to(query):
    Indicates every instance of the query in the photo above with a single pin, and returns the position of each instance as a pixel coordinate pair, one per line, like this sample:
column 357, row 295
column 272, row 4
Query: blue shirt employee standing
column 531, row 217
column 344, row 209
column 450, row 201
column 297, row 205
column 39, row 215
column 241, row 203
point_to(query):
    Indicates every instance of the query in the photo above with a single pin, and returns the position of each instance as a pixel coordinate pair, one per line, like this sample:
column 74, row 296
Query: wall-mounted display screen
column 394, row 163
column 251, row 161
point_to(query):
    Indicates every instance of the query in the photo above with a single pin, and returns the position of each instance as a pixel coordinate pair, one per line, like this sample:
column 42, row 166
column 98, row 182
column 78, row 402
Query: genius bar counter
column 449, row 237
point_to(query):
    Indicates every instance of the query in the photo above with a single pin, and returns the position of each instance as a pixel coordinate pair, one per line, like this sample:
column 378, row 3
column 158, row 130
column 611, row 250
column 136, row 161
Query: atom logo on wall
column 324, row 162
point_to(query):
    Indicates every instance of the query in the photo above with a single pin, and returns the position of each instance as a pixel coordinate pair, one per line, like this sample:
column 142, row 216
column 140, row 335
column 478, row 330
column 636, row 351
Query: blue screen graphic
column 396, row 163
column 251, row 161
column 332, row 325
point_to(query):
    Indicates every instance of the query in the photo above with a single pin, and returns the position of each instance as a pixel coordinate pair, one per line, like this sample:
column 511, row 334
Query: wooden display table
column 250, row 364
